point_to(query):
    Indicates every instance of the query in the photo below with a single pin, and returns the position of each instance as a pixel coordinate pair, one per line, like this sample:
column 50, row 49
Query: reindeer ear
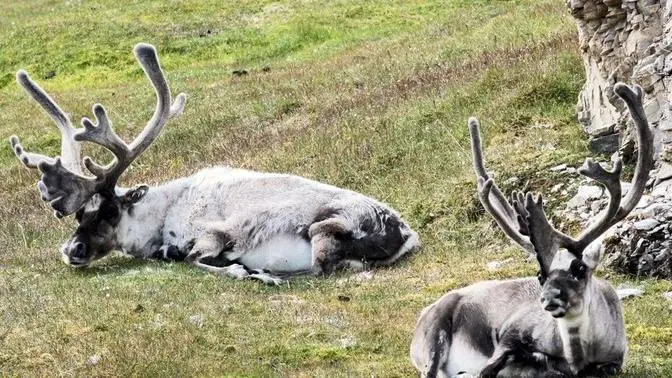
column 134, row 195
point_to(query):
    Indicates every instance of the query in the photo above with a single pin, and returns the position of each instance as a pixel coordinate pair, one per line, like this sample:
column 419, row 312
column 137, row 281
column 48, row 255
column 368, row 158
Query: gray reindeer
column 566, row 322
column 228, row 221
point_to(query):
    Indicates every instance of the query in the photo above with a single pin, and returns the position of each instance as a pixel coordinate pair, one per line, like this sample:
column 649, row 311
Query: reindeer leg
column 207, row 250
column 240, row 271
column 168, row 252
column 496, row 363
column 331, row 241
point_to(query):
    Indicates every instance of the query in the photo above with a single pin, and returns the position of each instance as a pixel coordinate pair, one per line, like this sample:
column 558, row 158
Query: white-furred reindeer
column 229, row 221
column 564, row 323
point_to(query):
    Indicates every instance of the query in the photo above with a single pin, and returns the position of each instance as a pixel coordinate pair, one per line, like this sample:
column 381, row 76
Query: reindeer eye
column 578, row 269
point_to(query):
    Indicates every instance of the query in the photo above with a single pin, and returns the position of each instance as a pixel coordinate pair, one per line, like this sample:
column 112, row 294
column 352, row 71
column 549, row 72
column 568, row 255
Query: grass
column 372, row 96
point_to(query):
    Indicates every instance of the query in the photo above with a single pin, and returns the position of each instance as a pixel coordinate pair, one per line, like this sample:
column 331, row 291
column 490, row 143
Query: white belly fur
column 283, row 253
column 464, row 358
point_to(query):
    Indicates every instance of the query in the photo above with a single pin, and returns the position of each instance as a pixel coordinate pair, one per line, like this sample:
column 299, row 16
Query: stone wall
column 630, row 41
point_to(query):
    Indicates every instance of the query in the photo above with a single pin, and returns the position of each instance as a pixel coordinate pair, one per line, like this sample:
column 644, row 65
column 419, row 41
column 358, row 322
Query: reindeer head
column 565, row 271
column 96, row 200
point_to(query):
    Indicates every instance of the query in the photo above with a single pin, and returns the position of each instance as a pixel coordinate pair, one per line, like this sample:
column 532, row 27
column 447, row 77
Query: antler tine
column 146, row 55
column 29, row 159
column 492, row 198
column 543, row 235
column 479, row 166
column 103, row 134
column 611, row 181
column 70, row 149
column 618, row 209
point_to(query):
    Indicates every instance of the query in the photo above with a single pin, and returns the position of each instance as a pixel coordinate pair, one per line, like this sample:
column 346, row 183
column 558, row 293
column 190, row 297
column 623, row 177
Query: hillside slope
column 371, row 96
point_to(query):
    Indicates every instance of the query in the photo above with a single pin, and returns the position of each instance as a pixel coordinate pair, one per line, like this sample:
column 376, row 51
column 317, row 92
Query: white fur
column 562, row 260
column 463, row 357
column 283, row 253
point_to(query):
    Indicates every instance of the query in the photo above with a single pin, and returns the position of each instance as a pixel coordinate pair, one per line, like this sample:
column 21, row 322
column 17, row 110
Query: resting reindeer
column 564, row 323
column 229, row 221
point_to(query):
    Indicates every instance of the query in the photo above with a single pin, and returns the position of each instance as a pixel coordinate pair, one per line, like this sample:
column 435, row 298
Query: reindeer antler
column 524, row 220
column 492, row 198
column 62, row 182
column 70, row 149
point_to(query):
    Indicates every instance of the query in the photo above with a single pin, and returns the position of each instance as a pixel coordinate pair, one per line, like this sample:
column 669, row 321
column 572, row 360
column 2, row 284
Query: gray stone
column 559, row 168
column 625, row 293
column 646, row 224
column 664, row 172
column 198, row 320
column 604, row 144
column 497, row 265
column 93, row 360
column 584, row 194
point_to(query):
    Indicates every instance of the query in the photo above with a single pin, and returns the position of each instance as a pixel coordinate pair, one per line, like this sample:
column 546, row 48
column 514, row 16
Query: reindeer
column 564, row 323
column 233, row 222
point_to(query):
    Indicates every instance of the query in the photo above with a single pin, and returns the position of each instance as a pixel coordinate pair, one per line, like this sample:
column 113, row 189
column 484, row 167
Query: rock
column 664, row 172
column 668, row 295
column 348, row 342
column 624, row 293
column 629, row 41
column 285, row 299
column 653, row 210
column 496, row 265
column 93, row 360
column 343, row 298
column 664, row 189
column 626, row 41
column 583, row 194
column 559, row 168
column 197, row 320
column 646, row 224
column 604, row 144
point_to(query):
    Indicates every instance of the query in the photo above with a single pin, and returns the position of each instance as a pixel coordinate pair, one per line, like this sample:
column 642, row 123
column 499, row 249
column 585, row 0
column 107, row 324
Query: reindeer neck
column 139, row 232
column 580, row 334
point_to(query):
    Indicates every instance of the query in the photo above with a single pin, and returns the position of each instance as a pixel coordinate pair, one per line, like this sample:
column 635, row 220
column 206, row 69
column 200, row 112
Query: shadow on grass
column 117, row 264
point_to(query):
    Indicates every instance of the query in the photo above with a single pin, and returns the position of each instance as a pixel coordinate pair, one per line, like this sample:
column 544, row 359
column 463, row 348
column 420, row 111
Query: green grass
column 372, row 96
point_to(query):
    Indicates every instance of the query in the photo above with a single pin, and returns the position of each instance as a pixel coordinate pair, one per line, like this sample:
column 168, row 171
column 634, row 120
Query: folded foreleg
column 240, row 271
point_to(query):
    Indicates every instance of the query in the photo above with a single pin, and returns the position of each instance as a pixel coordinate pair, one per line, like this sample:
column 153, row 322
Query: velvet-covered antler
column 62, row 182
column 524, row 220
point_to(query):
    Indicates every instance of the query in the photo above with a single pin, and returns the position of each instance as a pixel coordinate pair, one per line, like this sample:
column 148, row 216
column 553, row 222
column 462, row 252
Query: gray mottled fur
column 232, row 211
column 227, row 213
column 520, row 325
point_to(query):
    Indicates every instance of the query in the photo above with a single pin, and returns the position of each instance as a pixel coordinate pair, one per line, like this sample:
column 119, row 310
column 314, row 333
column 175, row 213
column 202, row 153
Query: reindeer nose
column 554, row 293
column 78, row 250
column 551, row 299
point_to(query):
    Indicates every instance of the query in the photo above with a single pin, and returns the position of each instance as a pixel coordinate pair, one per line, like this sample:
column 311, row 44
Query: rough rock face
column 630, row 41
column 642, row 243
